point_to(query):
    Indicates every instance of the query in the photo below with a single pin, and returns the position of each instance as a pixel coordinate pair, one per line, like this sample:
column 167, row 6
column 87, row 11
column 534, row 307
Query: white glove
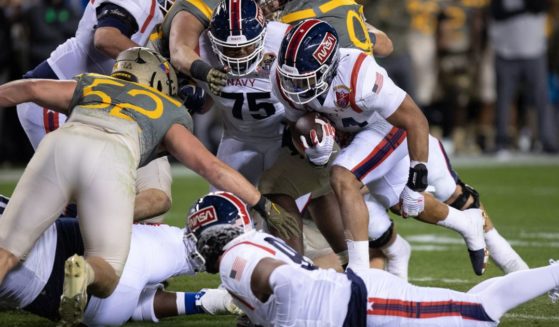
column 319, row 152
column 217, row 302
column 412, row 203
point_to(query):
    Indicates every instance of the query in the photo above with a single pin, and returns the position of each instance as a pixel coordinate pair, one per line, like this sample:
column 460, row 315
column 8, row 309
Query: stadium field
column 520, row 198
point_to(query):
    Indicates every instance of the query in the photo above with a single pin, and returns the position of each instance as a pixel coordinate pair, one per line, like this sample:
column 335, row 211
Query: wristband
column 417, row 180
column 260, row 207
column 200, row 70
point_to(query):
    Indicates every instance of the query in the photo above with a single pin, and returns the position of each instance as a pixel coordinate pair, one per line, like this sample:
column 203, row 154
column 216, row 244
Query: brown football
column 303, row 126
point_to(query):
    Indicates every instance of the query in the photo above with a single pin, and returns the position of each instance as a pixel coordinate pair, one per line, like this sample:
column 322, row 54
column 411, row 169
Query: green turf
column 520, row 200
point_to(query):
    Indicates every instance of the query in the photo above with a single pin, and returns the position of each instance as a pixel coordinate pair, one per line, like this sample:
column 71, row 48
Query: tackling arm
column 183, row 40
column 53, row 94
column 186, row 148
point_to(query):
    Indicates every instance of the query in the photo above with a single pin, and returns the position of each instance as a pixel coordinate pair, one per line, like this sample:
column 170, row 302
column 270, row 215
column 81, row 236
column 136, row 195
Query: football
column 305, row 124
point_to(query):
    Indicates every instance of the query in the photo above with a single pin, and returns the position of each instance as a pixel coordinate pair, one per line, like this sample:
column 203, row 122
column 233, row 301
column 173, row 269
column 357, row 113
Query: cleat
column 475, row 240
column 74, row 292
column 479, row 260
column 554, row 293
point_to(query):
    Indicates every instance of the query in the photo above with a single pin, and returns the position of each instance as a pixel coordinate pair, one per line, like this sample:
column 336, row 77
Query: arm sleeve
column 285, row 288
column 112, row 15
column 379, row 93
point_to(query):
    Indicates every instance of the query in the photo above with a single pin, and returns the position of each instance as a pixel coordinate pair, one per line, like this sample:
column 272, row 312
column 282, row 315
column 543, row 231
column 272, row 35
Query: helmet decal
column 326, row 47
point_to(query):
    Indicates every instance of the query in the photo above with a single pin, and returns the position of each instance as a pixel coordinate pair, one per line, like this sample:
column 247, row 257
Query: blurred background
column 485, row 72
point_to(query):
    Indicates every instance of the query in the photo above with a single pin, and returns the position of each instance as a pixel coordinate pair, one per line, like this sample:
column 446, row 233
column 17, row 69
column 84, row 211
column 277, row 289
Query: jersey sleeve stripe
column 390, row 142
column 204, row 9
column 354, row 78
column 150, row 16
column 333, row 4
column 298, row 15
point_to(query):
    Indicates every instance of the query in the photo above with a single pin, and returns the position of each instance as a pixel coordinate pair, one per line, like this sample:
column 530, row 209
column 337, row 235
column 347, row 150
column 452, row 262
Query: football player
column 357, row 96
column 157, row 252
column 118, row 124
column 240, row 38
column 276, row 286
column 106, row 28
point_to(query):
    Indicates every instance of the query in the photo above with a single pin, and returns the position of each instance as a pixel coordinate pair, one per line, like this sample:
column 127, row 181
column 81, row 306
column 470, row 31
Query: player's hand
column 278, row 218
column 319, row 151
column 412, row 203
column 217, row 302
column 217, row 79
column 193, row 97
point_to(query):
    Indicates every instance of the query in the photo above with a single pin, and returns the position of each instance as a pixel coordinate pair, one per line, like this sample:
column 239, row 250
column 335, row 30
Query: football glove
column 193, row 97
column 278, row 218
column 319, row 152
column 215, row 77
column 217, row 302
column 412, row 203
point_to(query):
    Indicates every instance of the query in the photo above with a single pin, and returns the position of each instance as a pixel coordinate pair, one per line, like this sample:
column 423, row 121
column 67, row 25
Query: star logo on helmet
column 342, row 96
column 326, row 47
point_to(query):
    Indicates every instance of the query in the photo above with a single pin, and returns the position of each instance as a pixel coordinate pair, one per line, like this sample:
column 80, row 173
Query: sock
column 398, row 255
column 455, row 220
column 186, row 303
column 358, row 254
column 502, row 253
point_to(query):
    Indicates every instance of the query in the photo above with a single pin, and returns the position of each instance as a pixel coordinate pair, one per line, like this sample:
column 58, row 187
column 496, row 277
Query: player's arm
column 271, row 276
column 382, row 44
column 409, row 117
column 186, row 148
column 52, row 94
column 183, row 41
column 115, row 26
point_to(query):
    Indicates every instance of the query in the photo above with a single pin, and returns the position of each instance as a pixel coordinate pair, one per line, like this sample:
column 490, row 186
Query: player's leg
column 509, row 291
column 153, row 191
column 382, row 236
column 366, row 159
column 38, row 199
column 451, row 190
column 37, row 121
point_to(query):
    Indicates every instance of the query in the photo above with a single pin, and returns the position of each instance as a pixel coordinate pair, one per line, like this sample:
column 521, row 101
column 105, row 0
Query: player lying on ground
column 116, row 125
column 275, row 286
column 157, row 252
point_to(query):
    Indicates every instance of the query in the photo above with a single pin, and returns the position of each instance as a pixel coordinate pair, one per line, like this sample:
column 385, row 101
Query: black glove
column 193, row 98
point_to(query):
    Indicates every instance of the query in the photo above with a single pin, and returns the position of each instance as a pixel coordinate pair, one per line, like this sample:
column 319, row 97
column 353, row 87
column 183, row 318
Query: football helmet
column 307, row 60
column 237, row 30
column 213, row 221
column 165, row 5
column 145, row 66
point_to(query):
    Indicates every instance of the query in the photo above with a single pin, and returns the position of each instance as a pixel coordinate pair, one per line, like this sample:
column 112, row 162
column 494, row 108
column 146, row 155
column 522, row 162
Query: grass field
column 520, row 199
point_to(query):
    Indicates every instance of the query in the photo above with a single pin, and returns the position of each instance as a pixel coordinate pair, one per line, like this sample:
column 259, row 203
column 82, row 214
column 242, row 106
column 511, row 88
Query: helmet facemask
column 237, row 53
column 302, row 88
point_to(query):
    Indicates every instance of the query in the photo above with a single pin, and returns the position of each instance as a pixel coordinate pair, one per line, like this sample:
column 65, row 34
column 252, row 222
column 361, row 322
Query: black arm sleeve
column 109, row 14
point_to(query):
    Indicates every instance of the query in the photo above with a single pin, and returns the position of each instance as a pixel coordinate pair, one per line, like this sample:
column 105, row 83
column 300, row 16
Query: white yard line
column 529, row 317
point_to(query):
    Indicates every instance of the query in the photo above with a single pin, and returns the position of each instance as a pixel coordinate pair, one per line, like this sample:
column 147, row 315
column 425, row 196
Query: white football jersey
column 78, row 54
column 250, row 109
column 360, row 96
column 241, row 257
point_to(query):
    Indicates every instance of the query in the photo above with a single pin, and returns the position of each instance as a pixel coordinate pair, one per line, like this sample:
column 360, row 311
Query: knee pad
column 383, row 239
column 144, row 309
column 462, row 199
